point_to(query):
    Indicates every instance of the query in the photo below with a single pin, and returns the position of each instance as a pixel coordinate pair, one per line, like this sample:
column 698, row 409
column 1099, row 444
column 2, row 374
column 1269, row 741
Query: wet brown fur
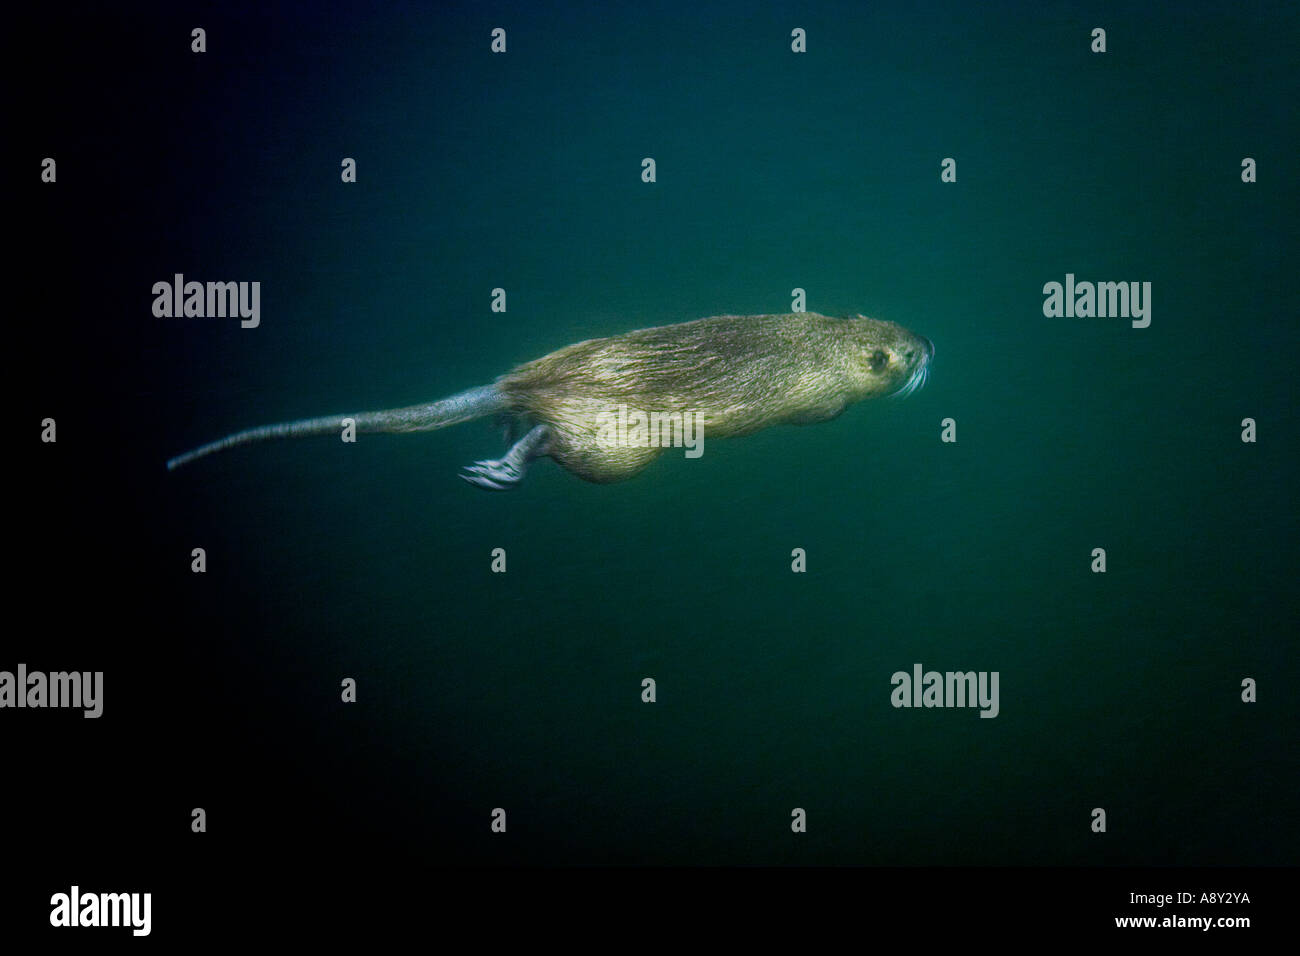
column 739, row 373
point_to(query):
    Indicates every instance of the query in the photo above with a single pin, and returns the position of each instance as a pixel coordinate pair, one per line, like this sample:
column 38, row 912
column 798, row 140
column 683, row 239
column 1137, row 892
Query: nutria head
column 887, row 359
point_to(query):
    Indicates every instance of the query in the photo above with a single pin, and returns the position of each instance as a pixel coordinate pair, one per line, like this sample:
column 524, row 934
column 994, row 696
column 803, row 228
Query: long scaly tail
column 461, row 407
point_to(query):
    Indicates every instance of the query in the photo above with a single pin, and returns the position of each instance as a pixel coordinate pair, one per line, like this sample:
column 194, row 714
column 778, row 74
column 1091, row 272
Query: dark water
column 819, row 171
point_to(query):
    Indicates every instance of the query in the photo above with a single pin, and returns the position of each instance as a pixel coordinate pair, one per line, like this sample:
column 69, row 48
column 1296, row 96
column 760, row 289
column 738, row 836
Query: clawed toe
column 486, row 483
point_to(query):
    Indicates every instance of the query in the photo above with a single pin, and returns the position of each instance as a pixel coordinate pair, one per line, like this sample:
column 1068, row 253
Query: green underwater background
column 775, row 171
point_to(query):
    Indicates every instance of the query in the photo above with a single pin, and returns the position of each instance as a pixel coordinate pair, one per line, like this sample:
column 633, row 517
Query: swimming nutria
column 735, row 374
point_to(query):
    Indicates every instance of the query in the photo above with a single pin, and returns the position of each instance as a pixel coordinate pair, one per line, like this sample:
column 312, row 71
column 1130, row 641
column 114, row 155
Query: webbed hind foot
column 493, row 475
column 506, row 473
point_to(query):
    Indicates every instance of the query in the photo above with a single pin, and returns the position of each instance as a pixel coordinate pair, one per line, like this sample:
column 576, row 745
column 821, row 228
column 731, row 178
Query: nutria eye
column 878, row 360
